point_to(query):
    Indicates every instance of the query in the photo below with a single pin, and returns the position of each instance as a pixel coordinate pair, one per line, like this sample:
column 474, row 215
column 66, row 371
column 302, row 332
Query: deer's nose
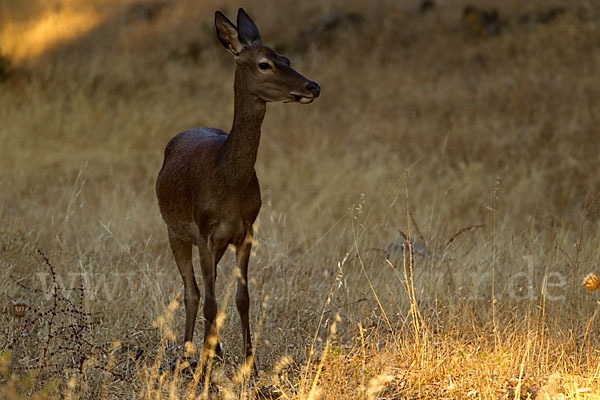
column 314, row 88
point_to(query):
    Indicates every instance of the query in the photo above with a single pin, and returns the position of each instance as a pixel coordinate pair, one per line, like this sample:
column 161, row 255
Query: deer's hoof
column 185, row 365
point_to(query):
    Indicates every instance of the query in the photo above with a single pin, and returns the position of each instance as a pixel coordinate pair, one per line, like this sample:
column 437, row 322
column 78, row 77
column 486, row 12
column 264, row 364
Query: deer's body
column 207, row 189
column 194, row 209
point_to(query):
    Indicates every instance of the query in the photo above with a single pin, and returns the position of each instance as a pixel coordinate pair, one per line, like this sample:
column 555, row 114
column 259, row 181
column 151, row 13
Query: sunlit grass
column 26, row 40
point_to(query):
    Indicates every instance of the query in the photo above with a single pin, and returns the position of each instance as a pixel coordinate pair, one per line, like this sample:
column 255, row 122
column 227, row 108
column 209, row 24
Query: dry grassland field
column 427, row 223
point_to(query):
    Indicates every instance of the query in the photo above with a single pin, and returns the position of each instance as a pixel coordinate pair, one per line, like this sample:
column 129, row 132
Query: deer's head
column 265, row 73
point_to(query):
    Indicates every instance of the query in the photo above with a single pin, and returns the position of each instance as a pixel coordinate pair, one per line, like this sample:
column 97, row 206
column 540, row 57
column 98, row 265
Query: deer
column 207, row 189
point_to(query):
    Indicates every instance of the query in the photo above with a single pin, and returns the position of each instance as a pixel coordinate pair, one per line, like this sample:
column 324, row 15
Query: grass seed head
column 591, row 282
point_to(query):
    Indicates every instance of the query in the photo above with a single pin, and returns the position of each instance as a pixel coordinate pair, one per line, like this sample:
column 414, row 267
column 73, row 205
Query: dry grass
column 422, row 114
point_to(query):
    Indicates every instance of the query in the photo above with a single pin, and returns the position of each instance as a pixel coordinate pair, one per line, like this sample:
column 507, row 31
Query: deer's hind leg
column 182, row 252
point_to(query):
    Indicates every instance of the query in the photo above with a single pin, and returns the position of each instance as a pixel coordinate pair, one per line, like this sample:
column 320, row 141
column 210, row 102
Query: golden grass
column 417, row 116
column 29, row 41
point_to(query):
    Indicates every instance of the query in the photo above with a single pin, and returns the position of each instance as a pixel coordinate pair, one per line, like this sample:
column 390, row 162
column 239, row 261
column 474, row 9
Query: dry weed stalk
column 54, row 337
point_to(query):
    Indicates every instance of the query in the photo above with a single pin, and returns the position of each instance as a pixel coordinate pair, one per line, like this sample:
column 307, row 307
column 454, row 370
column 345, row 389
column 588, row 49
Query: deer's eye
column 264, row 66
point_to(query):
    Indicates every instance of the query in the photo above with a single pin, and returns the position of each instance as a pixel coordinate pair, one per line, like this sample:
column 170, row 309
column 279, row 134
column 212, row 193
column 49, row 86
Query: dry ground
column 429, row 122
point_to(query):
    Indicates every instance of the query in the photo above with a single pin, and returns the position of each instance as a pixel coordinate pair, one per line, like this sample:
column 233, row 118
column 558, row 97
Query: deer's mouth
column 300, row 98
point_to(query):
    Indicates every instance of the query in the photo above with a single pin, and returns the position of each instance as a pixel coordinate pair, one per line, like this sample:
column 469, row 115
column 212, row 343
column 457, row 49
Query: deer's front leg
column 209, row 256
column 242, row 298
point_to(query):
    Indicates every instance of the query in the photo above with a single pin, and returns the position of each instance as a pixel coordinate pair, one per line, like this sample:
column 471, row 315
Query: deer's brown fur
column 207, row 189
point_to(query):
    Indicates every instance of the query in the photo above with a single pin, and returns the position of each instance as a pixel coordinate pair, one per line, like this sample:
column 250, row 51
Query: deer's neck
column 240, row 150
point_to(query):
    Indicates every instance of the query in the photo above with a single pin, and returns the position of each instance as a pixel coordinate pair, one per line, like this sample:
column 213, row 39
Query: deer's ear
column 228, row 34
column 248, row 32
